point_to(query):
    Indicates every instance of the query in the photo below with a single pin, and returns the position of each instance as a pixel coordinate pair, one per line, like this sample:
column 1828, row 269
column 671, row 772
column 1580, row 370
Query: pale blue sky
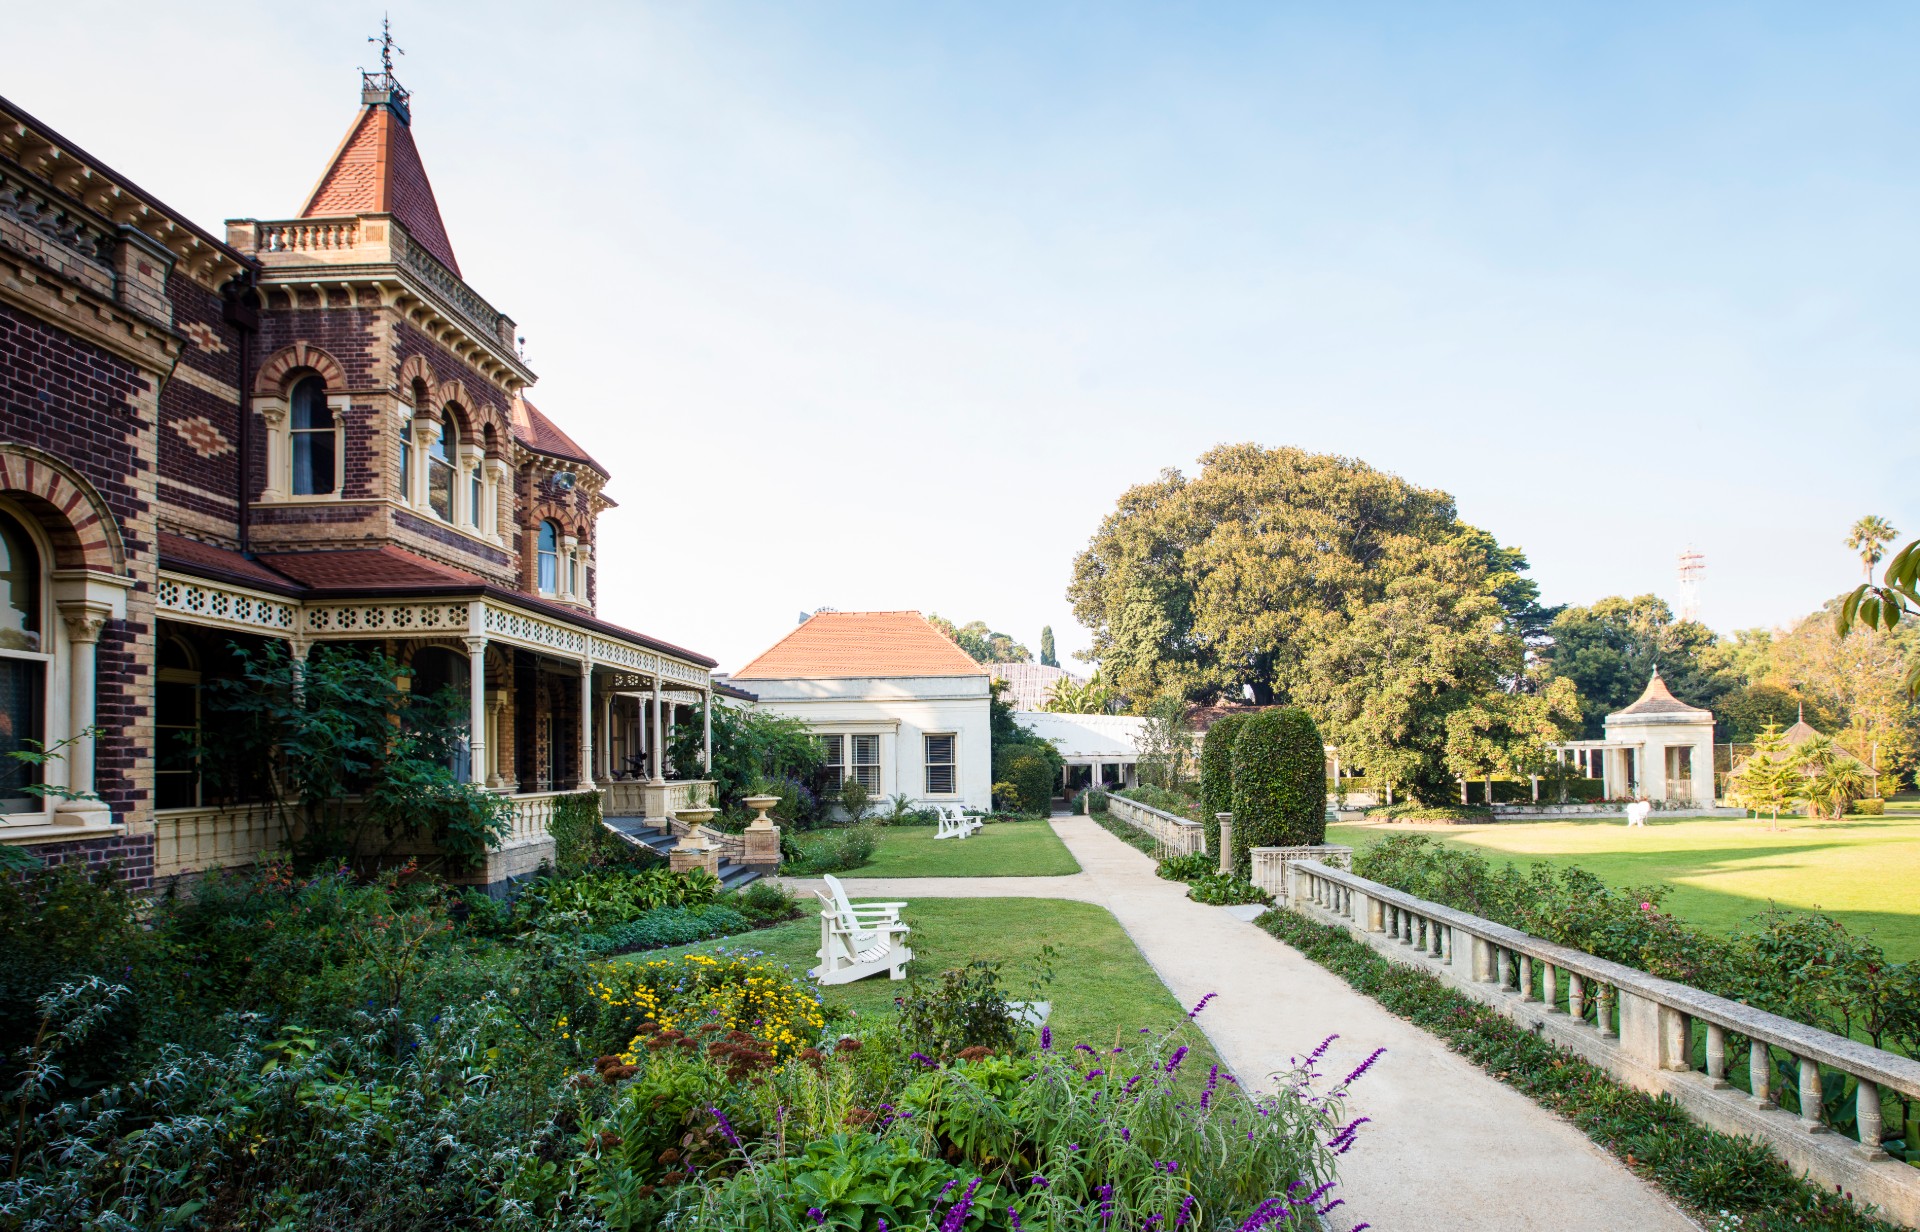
column 876, row 306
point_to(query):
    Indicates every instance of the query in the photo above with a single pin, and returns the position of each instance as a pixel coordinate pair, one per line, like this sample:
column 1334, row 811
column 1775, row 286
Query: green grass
column 1102, row 988
column 1860, row 869
column 1003, row 849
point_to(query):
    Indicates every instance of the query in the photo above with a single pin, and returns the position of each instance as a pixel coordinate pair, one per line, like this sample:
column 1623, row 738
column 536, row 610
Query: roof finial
column 1803, row 712
column 387, row 45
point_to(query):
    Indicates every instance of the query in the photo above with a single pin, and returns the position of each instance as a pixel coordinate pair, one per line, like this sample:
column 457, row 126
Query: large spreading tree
column 1312, row 579
column 1610, row 648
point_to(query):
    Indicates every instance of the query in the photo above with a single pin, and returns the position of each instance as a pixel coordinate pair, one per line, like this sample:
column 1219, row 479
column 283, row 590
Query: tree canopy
column 1047, row 656
column 981, row 643
column 1312, row 579
column 1610, row 648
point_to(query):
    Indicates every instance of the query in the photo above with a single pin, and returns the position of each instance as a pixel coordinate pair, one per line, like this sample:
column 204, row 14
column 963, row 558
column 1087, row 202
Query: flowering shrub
column 735, row 991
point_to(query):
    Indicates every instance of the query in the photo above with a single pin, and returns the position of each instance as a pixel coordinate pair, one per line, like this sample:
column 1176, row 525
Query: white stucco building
column 1100, row 749
column 896, row 704
column 1659, row 747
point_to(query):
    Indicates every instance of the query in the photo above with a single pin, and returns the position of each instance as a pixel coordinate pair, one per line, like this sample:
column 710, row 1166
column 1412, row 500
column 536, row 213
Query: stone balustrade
column 1172, row 834
column 310, row 235
column 1647, row 1031
column 1270, row 864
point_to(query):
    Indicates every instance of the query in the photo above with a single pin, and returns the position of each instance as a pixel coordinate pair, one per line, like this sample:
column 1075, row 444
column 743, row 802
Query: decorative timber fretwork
column 360, row 619
column 228, row 607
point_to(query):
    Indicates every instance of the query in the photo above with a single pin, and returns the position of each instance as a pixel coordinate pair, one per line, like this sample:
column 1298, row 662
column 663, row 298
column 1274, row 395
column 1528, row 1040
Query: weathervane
column 387, row 45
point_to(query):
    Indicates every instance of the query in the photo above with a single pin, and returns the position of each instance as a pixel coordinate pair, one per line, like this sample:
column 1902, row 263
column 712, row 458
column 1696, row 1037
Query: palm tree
column 1834, row 779
column 1869, row 535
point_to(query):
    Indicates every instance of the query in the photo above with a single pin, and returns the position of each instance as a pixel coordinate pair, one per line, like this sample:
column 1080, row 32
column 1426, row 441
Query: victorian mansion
column 311, row 430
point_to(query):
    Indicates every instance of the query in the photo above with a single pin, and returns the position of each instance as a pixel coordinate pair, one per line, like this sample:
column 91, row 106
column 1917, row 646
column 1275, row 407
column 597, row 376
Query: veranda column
column 659, row 735
column 586, row 724
column 706, row 732
column 84, row 623
column 476, row 709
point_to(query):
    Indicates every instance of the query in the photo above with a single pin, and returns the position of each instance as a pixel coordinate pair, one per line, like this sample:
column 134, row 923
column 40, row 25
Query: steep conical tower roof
column 1658, row 699
column 377, row 170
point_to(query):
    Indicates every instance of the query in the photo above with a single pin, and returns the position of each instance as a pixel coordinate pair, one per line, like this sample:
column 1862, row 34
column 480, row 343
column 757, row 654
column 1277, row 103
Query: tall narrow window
column 440, row 472
column 940, row 766
column 313, row 439
column 406, row 460
column 573, row 573
column 549, row 576
column 23, row 667
column 835, row 765
column 866, row 762
column 474, row 497
column 176, row 728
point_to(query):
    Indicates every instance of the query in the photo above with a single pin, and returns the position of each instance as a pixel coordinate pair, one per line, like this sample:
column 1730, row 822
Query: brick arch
column 276, row 375
column 416, row 375
column 566, row 520
column 75, row 517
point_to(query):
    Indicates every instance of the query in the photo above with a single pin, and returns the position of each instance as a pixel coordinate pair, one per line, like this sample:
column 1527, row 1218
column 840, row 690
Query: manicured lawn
column 1102, row 989
column 1003, row 849
column 1863, row 870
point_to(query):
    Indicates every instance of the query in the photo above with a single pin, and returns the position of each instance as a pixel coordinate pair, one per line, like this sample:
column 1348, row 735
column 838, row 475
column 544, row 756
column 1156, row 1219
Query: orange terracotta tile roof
column 1658, row 699
column 534, row 430
column 377, row 170
column 844, row 645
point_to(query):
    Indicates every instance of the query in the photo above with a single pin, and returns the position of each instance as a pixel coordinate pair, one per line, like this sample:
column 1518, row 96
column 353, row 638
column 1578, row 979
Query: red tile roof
column 1658, row 699
column 844, row 645
column 364, row 570
column 534, row 430
column 377, row 170
column 177, row 551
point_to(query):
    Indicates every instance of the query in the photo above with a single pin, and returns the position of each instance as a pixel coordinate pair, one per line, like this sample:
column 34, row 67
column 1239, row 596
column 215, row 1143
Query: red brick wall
column 132, row 853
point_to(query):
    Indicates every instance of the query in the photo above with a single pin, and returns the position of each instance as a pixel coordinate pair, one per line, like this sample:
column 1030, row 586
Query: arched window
column 313, row 439
column 406, row 460
column 23, row 666
column 549, row 558
column 446, row 447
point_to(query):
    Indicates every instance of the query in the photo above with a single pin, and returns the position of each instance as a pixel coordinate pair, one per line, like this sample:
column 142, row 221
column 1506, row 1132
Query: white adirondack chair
column 859, row 941
column 963, row 825
column 947, row 828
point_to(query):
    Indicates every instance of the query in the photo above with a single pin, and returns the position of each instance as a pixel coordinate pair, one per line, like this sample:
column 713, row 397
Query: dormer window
column 314, row 439
column 440, row 458
column 549, row 558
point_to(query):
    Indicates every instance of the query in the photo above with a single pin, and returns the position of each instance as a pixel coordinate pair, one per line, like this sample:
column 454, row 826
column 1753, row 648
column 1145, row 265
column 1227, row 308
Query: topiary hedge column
column 1279, row 784
column 1216, row 772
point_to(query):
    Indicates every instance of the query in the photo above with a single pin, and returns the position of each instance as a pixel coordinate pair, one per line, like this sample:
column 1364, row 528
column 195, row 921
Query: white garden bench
column 954, row 822
column 859, row 941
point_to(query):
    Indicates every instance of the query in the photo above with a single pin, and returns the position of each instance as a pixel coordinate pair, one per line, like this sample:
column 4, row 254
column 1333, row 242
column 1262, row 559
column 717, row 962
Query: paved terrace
column 1448, row 1147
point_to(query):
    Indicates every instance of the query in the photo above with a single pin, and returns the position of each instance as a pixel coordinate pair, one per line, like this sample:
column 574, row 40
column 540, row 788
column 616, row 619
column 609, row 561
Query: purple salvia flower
column 1126, row 1135
column 1345, row 1133
column 1179, row 1055
column 1361, row 1227
column 1106, row 1202
column 958, row 1214
column 1083, row 1048
column 945, row 1190
column 1364, row 1066
column 1094, row 1073
column 1319, row 1193
column 1013, row 1218
column 818, row 1216
column 1321, row 1051
column 726, row 1126
column 1329, row 1206
column 1213, row 1081
column 1153, row 1221
column 1046, row 1038
column 1186, row 1213
column 922, row 1058
column 1038, row 1181
column 1195, row 1011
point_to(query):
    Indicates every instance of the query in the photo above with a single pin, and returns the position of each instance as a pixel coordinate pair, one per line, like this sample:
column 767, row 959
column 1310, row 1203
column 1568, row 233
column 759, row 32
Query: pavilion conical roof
column 377, row 170
column 1658, row 699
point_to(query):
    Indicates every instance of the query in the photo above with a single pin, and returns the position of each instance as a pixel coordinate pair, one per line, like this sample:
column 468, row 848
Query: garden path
column 1447, row 1146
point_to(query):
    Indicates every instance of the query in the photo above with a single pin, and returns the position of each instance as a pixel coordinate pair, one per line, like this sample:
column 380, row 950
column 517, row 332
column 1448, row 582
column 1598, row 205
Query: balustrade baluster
column 1502, row 962
column 1866, row 1110
column 1526, row 977
column 1677, row 1042
column 1810, row 1097
column 1436, row 931
column 1550, row 986
column 1716, row 1055
column 1759, row 1072
column 1577, row 996
column 1603, row 997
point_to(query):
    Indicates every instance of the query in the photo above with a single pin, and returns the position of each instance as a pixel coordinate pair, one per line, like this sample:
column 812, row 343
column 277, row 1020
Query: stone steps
column 642, row 833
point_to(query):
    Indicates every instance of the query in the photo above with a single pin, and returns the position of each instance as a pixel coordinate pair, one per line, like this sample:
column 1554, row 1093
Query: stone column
column 84, row 622
column 706, row 731
column 659, row 736
column 499, row 482
column 586, row 725
column 273, row 416
column 496, row 718
column 476, row 709
column 1226, row 841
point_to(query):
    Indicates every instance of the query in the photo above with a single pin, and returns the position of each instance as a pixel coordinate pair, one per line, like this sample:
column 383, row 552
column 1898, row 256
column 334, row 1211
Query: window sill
column 34, row 828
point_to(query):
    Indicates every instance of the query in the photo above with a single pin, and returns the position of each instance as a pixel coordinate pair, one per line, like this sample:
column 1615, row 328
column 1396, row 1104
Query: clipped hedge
column 1216, row 774
column 1279, row 783
column 668, row 926
column 1032, row 777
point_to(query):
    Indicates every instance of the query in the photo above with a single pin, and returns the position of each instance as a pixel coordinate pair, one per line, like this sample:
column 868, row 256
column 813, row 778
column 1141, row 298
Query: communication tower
column 1692, row 565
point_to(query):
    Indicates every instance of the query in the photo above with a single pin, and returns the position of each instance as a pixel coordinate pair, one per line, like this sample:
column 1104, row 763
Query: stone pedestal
column 763, row 846
column 684, row 859
column 1226, row 841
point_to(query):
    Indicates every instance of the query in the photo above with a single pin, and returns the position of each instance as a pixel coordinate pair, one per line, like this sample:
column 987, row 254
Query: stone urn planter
column 699, row 815
column 763, row 837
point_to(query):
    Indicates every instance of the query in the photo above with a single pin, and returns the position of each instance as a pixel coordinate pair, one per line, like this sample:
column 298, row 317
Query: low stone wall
column 1639, row 1028
column 1174, row 835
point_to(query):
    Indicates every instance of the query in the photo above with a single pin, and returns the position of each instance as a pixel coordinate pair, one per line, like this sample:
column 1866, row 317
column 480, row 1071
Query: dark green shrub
column 832, row 851
column 1216, row 773
column 1279, row 783
column 1187, row 867
column 1224, row 890
column 763, row 902
column 1091, row 800
column 855, row 799
column 581, row 843
column 1032, row 777
column 668, row 926
column 964, row 1008
column 615, row 896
